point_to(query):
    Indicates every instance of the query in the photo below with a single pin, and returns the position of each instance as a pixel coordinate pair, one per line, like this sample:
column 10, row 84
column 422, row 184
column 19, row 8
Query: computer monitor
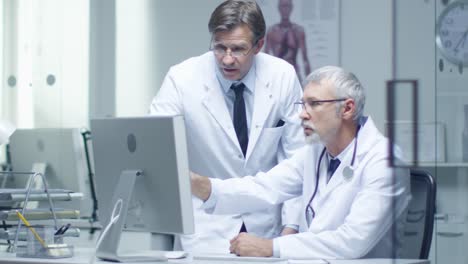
column 144, row 162
column 59, row 154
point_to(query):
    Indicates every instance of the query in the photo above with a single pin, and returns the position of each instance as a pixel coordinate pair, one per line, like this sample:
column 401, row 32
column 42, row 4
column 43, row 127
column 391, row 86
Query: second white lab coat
column 354, row 216
column 192, row 89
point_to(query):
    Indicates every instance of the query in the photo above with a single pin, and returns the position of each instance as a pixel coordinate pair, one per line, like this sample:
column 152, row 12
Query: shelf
column 40, row 214
column 451, row 93
column 444, row 165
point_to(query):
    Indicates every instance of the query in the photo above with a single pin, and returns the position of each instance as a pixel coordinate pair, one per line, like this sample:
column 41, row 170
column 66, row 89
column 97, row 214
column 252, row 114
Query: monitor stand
column 37, row 167
column 108, row 249
column 162, row 242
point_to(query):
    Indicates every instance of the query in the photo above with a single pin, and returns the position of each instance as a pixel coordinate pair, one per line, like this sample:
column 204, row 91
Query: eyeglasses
column 311, row 104
column 236, row 51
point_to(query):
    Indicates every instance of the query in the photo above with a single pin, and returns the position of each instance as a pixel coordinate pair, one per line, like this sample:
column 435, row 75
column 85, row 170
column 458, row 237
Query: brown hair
column 233, row 13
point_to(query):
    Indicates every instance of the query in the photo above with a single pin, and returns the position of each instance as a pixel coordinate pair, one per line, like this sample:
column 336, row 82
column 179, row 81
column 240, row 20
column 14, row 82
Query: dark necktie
column 332, row 166
column 239, row 116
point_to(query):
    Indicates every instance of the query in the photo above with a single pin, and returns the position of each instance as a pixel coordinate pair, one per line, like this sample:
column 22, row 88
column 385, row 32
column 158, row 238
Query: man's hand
column 201, row 186
column 246, row 244
column 288, row 231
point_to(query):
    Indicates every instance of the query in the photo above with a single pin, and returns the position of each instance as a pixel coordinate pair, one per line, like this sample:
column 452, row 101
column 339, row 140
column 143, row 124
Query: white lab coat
column 192, row 89
column 354, row 216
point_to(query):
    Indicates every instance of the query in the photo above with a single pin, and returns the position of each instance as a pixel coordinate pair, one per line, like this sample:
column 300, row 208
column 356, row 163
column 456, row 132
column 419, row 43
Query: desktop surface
column 82, row 256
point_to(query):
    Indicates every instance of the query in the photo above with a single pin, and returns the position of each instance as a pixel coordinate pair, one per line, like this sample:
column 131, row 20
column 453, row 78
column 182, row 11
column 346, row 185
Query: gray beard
column 312, row 139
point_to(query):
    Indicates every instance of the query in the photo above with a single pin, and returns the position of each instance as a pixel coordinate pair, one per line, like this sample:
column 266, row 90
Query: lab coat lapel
column 263, row 102
column 368, row 137
column 365, row 142
column 337, row 177
column 215, row 104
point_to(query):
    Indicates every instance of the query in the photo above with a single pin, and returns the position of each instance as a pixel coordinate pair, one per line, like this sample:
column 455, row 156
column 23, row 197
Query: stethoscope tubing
column 317, row 172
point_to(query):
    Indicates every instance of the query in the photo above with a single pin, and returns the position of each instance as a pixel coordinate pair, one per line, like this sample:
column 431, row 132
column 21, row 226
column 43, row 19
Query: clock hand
column 462, row 40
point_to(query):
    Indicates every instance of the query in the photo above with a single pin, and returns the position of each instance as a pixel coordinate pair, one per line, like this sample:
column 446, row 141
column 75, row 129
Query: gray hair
column 346, row 85
column 233, row 13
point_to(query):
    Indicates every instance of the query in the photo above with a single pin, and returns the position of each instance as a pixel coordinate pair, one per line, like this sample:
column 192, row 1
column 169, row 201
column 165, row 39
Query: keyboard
column 233, row 257
column 150, row 256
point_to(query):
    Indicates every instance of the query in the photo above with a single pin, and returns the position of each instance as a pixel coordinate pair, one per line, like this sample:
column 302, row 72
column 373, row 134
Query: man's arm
column 201, row 186
column 241, row 195
column 290, row 230
column 251, row 193
column 246, row 244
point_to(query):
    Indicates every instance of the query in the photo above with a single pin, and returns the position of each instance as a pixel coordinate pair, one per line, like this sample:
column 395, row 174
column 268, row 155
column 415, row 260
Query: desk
column 82, row 257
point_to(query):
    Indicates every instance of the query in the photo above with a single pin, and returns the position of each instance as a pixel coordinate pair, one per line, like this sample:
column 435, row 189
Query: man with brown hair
column 238, row 105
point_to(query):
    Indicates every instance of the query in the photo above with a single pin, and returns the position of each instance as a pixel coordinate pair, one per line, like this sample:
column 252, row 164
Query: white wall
column 10, row 59
column 415, row 57
column 102, row 58
column 151, row 36
column 75, row 62
column 366, row 39
column 134, row 56
column 60, row 49
column 45, row 38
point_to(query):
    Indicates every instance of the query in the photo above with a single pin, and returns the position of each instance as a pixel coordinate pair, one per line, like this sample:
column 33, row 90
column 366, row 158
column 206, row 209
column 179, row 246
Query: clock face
column 452, row 32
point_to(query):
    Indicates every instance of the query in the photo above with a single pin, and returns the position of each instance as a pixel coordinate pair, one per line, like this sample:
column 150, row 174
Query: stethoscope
column 348, row 173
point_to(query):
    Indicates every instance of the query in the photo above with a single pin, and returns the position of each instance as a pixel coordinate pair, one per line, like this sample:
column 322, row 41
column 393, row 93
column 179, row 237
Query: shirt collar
column 362, row 121
column 248, row 80
column 342, row 153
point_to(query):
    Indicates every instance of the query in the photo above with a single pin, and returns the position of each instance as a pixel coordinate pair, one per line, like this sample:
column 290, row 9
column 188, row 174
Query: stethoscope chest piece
column 348, row 173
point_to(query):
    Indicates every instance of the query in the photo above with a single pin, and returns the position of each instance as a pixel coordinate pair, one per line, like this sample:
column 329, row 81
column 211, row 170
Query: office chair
column 420, row 219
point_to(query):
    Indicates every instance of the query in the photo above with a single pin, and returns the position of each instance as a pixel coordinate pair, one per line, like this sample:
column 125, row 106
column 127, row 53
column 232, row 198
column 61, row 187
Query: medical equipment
column 348, row 173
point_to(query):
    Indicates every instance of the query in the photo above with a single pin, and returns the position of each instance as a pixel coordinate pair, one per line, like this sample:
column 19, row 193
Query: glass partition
column 430, row 38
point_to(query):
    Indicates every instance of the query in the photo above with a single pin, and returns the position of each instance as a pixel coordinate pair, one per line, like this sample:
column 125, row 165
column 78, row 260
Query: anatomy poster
column 306, row 33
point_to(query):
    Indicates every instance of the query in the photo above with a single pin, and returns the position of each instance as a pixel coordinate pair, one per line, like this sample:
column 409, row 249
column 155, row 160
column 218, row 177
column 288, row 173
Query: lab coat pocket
column 269, row 140
column 271, row 135
column 265, row 151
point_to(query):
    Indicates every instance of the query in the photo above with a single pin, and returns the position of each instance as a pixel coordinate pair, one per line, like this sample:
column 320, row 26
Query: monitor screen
column 156, row 146
column 58, row 153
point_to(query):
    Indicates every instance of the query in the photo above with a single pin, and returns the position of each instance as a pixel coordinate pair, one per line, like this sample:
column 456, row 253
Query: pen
column 26, row 223
column 62, row 229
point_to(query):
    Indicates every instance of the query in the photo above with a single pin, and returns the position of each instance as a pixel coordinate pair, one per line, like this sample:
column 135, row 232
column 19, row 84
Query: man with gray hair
column 238, row 107
column 353, row 204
